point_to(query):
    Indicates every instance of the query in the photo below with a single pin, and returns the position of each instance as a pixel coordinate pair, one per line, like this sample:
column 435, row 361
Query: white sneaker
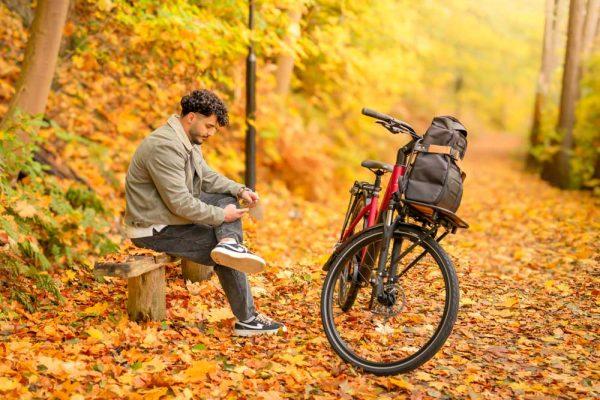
column 259, row 324
column 236, row 256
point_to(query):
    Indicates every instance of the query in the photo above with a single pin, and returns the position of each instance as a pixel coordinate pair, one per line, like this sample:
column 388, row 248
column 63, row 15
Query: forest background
column 123, row 66
column 122, row 69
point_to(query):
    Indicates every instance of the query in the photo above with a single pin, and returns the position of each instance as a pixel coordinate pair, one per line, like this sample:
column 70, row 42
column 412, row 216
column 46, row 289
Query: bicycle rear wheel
column 348, row 279
column 407, row 328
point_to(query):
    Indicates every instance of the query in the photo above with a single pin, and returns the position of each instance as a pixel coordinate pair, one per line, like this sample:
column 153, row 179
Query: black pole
column 251, row 107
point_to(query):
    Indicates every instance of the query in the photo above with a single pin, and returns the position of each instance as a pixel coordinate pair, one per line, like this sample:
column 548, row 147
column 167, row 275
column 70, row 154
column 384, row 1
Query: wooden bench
column 146, row 284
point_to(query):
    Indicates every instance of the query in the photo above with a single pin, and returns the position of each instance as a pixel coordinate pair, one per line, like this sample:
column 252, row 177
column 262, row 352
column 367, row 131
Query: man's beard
column 195, row 137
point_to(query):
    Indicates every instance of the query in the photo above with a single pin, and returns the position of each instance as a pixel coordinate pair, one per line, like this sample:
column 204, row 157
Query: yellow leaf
column 97, row 308
column 461, row 389
column 401, row 383
column 154, row 365
column 25, row 210
column 70, row 275
column 7, row 384
column 156, row 393
column 77, row 61
column 198, row 370
column 564, row 288
column 219, row 314
column 150, row 340
column 510, row 301
column 95, row 333
column 423, row 376
column 297, row 359
column 466, row 301
column 105, row 5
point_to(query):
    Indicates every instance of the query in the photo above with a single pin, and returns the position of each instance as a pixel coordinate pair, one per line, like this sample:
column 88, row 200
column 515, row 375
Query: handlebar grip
column 377, row 115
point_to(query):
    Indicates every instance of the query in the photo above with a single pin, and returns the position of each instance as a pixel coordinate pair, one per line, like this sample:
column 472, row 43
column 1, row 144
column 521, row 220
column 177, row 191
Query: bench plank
column 134, row 266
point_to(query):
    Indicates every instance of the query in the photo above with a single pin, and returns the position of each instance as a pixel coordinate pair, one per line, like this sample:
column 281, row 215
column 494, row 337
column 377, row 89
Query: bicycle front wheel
column 402, row 330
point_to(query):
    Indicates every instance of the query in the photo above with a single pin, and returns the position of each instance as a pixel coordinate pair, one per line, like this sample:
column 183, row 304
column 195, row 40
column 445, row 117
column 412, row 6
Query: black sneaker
column 260, row 324
column 236, row 256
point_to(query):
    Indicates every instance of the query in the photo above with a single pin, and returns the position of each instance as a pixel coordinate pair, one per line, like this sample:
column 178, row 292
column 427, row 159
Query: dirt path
column 527, row 328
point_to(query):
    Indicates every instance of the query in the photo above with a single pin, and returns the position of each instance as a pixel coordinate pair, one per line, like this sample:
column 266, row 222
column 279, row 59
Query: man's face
column 201, row 127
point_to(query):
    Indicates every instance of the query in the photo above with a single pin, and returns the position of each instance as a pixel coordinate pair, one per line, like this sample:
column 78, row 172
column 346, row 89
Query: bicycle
column 375, row 318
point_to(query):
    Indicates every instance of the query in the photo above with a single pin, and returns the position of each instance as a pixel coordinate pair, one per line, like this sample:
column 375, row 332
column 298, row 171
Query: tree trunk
column 544, row 78
column 590, row 27
column 285, row 62
column 33, row 85
column 557, row 171
column 560, row 9
column 591, row 31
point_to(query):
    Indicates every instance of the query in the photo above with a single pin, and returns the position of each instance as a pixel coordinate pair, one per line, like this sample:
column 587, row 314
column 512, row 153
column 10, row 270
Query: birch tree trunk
column 285, row 61
column 590, row 27
column 558, row 170
column 544, row 79
column 560, row 9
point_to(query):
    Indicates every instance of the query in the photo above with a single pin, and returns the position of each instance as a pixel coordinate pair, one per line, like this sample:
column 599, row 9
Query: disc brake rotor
column 392, row 301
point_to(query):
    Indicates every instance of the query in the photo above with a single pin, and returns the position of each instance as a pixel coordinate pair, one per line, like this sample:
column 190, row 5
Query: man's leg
column 227, row 230
column 230, row 251
column 195, row 242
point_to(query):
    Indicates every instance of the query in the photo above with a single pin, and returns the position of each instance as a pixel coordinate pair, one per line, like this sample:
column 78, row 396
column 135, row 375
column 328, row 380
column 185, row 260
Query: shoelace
column 238, row 247
column 264, row 319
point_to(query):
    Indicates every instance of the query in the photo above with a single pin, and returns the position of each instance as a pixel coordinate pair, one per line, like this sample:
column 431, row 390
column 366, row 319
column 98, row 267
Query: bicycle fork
column 388, row 232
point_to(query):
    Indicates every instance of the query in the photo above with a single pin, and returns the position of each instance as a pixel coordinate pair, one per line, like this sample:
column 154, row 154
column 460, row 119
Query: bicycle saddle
column 377, row 166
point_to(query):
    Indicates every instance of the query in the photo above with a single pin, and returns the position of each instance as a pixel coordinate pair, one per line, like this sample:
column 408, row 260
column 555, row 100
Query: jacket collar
column 175, row 123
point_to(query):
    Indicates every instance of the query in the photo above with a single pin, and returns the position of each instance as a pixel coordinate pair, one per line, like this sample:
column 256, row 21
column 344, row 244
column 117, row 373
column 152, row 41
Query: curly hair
column 206, row 103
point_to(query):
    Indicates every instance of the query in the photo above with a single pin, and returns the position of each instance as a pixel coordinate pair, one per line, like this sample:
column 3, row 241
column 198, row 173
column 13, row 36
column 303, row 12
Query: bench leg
column 146, row 299
column 195, row 272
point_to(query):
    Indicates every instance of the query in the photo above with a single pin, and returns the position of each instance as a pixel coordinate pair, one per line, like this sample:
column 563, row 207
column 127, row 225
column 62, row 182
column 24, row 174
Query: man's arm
column 213, row 182
column 167, row 169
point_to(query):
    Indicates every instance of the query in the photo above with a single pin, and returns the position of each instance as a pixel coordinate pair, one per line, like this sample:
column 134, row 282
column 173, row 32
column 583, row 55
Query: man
column 178, row 205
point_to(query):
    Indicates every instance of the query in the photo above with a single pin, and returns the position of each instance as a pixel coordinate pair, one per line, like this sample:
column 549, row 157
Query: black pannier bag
column 434, row 176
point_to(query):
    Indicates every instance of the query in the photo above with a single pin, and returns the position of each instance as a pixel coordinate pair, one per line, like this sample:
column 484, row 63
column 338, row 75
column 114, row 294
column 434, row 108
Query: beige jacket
column 165, row 178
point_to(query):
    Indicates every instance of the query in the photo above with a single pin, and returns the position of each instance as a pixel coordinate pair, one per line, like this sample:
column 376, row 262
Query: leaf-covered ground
column 527, row 327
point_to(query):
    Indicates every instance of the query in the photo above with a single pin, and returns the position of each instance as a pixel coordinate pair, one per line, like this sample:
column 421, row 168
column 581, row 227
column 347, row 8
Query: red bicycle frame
column 370, row 211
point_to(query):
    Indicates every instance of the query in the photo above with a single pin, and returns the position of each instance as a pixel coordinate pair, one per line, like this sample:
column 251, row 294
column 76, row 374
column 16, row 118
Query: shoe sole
column 241, row 262
column 254, row 333
column 250, row 333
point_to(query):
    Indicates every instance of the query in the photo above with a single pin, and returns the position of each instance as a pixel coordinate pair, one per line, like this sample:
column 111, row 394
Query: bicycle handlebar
column 377, row 115
column 389, row 120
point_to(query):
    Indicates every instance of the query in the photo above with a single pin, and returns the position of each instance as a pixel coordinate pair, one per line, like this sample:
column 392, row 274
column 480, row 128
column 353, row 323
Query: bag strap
column 458, row 163
column 437, row 149
column 434, row 148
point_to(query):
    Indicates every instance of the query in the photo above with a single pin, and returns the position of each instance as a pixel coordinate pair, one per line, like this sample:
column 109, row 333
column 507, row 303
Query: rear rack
column 434, row 215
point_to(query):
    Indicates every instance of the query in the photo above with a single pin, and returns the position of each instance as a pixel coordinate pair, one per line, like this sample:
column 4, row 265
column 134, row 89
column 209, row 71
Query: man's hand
column 249, row 197
column 233, row 213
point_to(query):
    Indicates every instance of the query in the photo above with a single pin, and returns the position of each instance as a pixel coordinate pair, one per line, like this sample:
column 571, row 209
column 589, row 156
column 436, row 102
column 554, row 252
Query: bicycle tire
column 441, row 334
